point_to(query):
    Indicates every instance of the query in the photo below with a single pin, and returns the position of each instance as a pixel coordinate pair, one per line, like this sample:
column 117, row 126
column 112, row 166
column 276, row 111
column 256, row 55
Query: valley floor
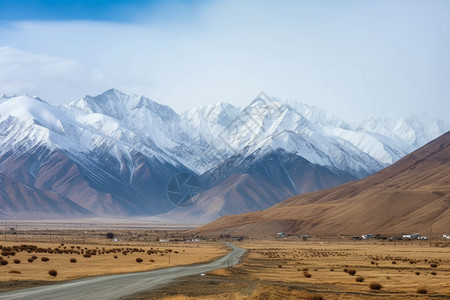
column 272, row 268
column 320, row 269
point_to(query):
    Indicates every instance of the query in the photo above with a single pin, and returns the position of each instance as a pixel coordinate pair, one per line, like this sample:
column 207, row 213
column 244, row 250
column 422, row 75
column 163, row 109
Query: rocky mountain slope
column 115, row 154
column 412, row 195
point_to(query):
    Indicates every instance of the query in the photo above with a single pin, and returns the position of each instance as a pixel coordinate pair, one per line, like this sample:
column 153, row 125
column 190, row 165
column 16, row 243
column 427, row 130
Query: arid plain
column 273, row 268
column 324, row 269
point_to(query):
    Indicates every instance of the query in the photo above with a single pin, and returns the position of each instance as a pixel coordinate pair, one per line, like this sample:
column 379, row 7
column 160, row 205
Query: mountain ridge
column 412, row 195
column 124, row 149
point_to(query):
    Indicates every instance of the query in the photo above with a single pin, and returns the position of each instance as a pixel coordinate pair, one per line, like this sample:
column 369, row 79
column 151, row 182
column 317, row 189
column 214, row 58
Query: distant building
column 366, row 236
column 281, row 234
column 411, row 236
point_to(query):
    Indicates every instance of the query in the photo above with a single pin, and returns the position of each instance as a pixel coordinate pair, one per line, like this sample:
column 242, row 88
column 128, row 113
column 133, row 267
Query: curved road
column 116, row 286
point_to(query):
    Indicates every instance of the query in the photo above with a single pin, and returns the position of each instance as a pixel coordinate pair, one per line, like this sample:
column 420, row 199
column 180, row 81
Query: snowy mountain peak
column 206, row 136
column 262, row 100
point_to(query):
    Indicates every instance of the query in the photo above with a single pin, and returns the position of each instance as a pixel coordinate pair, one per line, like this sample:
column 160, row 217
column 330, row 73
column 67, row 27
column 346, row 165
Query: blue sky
column 352, row 58
column 60, row 10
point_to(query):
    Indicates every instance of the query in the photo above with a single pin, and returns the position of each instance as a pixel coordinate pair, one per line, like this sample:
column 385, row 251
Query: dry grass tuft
column 351, row 272
column 422, row 291
column 375, row 286
column 307, row 274
column 314, row 297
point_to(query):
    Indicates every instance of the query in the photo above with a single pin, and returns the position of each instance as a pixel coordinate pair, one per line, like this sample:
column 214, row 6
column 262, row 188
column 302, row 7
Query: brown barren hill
column 412, row 195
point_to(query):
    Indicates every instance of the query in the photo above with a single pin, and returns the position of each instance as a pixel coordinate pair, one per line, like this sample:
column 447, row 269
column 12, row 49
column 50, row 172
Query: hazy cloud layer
column 352, row 58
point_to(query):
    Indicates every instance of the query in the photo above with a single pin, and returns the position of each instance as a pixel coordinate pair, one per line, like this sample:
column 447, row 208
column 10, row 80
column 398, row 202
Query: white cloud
column 355, row 59
column 50, row 77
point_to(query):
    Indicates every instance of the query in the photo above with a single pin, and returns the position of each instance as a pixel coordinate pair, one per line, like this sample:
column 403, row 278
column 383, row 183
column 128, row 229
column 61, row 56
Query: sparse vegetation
column 314, row 297
column 375, row 286
column 422, row 291
column 351, row 272
column 323, row 260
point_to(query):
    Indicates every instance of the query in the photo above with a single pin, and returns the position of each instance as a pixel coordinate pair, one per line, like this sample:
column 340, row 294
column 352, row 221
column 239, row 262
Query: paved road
column 116, row 286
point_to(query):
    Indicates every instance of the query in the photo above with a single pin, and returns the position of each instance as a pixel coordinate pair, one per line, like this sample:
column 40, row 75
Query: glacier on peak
column 203, row 137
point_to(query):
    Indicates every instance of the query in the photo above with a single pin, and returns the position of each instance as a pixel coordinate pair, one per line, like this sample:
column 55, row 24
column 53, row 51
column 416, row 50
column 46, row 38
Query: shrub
column 351, row 272
column 15, row 272
column 433, row 273
column 115, row 256
column 34, row 257
column 139, row 260
column 16, row 261
column 152, row 260
column 307, row 274
column 52, row 272
column 417, row 273
column 3, row 262
column 359, row 279
column 375, row 286
column 345, row 270
column 30, row 260
column 44, row 258
column 394, row 262
column 433, row 265
column 314, row 297
column 73, row 260
column 86, row 255
column 422, row 291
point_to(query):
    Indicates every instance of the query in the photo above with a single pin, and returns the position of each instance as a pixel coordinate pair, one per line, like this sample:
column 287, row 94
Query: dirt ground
column 271, row 269
column 294, row 269
column 29, row 258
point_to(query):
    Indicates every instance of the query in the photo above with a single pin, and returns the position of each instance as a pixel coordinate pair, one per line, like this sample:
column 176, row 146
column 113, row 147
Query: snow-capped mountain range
column 114, row 154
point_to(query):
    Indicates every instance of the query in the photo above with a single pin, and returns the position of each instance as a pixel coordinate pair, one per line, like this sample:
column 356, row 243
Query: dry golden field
column 95, row 256
column 271, row 269
column 320, row 269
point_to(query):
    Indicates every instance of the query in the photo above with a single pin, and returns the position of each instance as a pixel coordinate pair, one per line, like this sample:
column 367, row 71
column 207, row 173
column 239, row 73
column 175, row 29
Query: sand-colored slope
column 412, row 195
